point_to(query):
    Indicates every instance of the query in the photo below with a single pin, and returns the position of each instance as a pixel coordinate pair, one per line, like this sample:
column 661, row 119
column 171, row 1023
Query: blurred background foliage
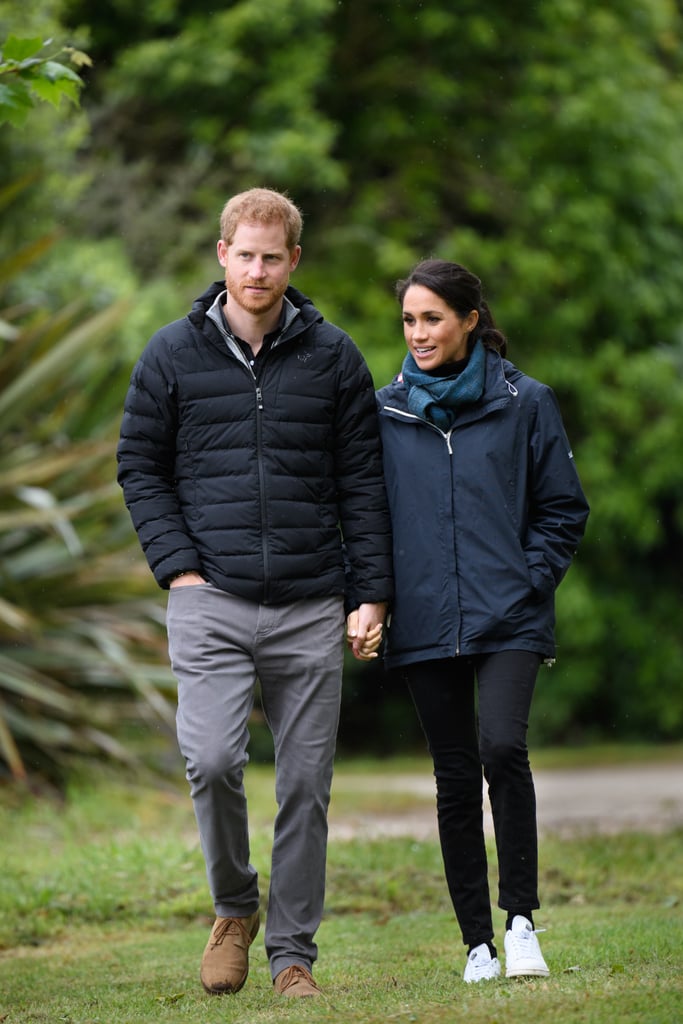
column 541, row 145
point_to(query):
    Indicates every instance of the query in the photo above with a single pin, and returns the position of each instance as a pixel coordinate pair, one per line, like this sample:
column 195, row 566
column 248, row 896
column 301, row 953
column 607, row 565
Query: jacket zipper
column 512, row 391
column 432, row 426
column 237, row 352
column 449, row 446
column 262, row 493
column 258, row 401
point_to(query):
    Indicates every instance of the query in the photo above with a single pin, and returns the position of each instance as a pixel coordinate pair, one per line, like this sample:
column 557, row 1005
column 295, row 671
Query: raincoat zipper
column 449, row 447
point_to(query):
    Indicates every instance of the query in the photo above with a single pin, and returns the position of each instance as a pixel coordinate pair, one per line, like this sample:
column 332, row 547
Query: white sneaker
column 522, row 952
column 481, row 966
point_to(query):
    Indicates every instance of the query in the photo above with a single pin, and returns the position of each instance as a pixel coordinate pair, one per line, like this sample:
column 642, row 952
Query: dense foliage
column 80, row 639
column 542, row 145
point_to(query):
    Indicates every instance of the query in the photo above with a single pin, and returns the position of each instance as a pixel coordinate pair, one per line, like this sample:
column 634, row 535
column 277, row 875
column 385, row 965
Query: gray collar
column 215, row 313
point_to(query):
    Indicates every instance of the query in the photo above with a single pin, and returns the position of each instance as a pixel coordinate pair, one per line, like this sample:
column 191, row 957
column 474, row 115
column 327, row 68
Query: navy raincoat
column 486, row 519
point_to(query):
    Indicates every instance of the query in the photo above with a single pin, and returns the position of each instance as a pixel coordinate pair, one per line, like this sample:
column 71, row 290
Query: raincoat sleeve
column 557, row 508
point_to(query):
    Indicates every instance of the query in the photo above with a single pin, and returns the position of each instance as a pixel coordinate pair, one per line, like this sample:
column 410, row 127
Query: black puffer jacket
column 250, row 484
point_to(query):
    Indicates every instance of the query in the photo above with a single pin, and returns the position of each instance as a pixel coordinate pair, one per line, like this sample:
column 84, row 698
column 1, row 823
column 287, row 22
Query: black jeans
column 461, row 742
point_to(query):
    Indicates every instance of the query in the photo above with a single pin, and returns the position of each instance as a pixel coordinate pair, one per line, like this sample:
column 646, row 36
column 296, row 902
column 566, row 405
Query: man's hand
column 364, row 628
column 187, row 579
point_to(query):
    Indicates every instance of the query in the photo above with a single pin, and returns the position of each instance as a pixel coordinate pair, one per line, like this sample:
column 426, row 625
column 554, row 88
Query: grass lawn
column 104, row 914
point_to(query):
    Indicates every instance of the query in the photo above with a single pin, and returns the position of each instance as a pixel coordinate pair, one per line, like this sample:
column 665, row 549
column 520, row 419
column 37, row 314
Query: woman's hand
column 364, row 630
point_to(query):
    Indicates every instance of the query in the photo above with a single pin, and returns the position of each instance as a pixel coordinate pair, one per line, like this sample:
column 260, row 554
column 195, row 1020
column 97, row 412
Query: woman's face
column 435, row 334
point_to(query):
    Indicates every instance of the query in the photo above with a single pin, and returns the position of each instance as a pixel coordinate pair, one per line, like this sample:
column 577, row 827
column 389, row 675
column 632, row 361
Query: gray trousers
column 219, row 646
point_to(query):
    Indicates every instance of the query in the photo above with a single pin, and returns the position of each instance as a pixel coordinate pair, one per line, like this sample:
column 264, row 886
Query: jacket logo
column 303, row 356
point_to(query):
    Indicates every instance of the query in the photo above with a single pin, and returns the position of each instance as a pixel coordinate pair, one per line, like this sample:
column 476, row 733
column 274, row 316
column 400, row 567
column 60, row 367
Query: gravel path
column 597, row 800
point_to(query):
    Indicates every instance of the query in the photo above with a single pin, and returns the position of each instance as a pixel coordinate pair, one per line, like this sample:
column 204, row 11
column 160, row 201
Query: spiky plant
column 81, row 628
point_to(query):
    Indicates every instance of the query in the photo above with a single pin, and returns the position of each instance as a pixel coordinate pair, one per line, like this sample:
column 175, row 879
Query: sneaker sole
column 528, row 972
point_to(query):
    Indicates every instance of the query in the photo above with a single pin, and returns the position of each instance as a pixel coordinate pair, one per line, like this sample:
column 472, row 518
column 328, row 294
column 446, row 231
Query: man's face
column 257, row 265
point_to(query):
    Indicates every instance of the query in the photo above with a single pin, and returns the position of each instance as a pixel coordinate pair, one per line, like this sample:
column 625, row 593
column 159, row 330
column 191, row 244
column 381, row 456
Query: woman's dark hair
column 461, row 290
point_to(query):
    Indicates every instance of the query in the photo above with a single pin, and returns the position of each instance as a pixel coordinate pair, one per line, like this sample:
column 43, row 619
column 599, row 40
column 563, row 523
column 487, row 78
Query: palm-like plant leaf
column 81, row 630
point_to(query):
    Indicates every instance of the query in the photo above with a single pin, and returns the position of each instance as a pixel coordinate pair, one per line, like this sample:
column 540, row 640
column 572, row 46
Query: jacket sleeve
column 363, row 510
column 557, row 509
column 146, row 464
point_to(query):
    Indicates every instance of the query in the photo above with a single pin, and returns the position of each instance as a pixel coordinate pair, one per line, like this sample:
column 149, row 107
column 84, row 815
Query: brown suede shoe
column 225, row 963
column 296, row 981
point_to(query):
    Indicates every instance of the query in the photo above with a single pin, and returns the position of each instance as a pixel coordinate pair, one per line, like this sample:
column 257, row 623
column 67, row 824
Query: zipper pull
column 259, row 398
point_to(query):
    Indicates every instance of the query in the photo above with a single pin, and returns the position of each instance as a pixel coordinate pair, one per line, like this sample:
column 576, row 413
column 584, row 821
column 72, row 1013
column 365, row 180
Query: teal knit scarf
column 437, row 399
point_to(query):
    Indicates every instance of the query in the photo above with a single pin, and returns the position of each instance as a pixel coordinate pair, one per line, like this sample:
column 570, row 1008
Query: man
column 249, row 447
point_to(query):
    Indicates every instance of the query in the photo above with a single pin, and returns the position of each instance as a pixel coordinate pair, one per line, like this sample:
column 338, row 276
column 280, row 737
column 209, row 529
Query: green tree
column 539, row 144
column 196, row 103
column 81, row 642
column 79, row 639
column 543, row 147
column 41, row 130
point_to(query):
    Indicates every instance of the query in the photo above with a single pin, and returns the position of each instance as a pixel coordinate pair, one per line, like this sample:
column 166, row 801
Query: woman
column 487, row 512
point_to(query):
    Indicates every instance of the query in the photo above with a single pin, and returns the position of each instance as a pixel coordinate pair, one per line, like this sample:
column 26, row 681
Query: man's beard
column 254, row 303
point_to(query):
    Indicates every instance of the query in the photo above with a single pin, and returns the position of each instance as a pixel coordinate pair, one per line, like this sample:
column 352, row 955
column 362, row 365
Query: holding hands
column 364, row 630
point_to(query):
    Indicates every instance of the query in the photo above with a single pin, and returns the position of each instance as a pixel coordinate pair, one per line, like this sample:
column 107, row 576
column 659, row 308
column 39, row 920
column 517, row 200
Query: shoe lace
column 294, row 974
column 522, row 941
column 481, row 967
column 229, row 926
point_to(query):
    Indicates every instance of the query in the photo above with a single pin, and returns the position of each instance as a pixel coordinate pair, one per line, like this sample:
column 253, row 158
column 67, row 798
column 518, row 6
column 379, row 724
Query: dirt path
column 602, row 800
